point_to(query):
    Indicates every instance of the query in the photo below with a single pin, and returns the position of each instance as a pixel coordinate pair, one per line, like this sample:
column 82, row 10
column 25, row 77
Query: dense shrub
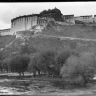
column 35, row 65
column 6, row 64
column 26, row 49
column 49, row 61
column 1, row 67
column 43, row 62
column 79, row 70
column 61, row 59
column 19, row 63
column 2, row 55
column 53, row 13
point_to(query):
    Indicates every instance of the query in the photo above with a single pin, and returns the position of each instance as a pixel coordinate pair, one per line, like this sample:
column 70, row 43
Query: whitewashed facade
column 5, row 32
column 27, row 22
column 23, row 23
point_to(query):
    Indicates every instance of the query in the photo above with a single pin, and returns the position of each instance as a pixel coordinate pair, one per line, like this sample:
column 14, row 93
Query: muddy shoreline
column 10, row 84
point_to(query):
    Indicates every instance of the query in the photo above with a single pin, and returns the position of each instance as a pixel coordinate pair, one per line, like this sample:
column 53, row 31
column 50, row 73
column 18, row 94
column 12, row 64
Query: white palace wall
column 23, row 23
column 27, row 22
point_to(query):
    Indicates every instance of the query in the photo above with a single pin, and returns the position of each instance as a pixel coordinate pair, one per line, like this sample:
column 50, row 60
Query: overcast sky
column 11, row 10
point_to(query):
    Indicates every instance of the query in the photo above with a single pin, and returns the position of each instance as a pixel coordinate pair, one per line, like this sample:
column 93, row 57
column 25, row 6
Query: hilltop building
column 37, row 22
column 29, row 22
column 23, row 23
column 69, row 19
column 5, row 32
column 85, row 19
column 94, row 18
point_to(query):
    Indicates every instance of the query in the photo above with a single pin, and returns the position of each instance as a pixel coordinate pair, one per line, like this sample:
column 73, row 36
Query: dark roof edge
column 84, row 16
column 24, row 16
column 5, row 29
column 69, row 15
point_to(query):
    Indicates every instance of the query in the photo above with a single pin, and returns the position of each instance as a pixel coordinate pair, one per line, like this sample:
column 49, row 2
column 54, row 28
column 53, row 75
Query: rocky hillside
column 5, row 40
column 76, row 31
column 45, row 42
column 57, row 37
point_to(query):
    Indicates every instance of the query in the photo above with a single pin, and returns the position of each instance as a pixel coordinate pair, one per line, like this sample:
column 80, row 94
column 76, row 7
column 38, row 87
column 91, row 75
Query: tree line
column 73, row 67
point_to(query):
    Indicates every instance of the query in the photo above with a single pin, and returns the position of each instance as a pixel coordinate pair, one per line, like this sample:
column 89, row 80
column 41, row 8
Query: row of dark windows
column 41, row 22
column 86, row 17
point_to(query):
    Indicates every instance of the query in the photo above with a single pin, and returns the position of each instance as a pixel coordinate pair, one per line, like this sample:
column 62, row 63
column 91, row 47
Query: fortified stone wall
column 86, row 19
column 27, row 22
column 23, row 23
column 36, row 22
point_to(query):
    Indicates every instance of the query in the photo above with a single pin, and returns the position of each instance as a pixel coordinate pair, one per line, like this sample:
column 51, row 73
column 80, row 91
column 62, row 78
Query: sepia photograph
column 48, row 48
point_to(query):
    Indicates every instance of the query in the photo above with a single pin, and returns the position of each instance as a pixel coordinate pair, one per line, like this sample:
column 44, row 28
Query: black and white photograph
column 48, row 48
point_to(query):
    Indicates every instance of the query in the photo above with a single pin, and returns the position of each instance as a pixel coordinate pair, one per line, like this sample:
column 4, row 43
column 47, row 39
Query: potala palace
column 38, row 22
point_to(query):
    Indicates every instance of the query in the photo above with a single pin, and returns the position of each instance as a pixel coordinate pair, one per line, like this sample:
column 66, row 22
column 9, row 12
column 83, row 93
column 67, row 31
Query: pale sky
column 11, row 10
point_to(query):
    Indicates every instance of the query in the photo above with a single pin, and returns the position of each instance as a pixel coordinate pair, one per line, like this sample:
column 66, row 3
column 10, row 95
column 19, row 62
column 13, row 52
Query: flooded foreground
column 39, row 87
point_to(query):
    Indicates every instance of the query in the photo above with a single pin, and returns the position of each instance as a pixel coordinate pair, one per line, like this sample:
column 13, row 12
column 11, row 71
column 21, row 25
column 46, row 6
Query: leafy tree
column 19, row 64
column 6, row 64
column 35, row 65
column 82, row 67
column 61, row 59
column 26, row 49
column 48, row 59
column 43, row 62
column 2, row 55
column 53, row 13
column 1, row 67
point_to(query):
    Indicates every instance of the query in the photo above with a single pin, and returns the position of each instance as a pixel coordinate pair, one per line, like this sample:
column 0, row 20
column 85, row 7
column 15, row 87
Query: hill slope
column 43, row 43
column 76, row 31
column 4, row 40
column 54, row 37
